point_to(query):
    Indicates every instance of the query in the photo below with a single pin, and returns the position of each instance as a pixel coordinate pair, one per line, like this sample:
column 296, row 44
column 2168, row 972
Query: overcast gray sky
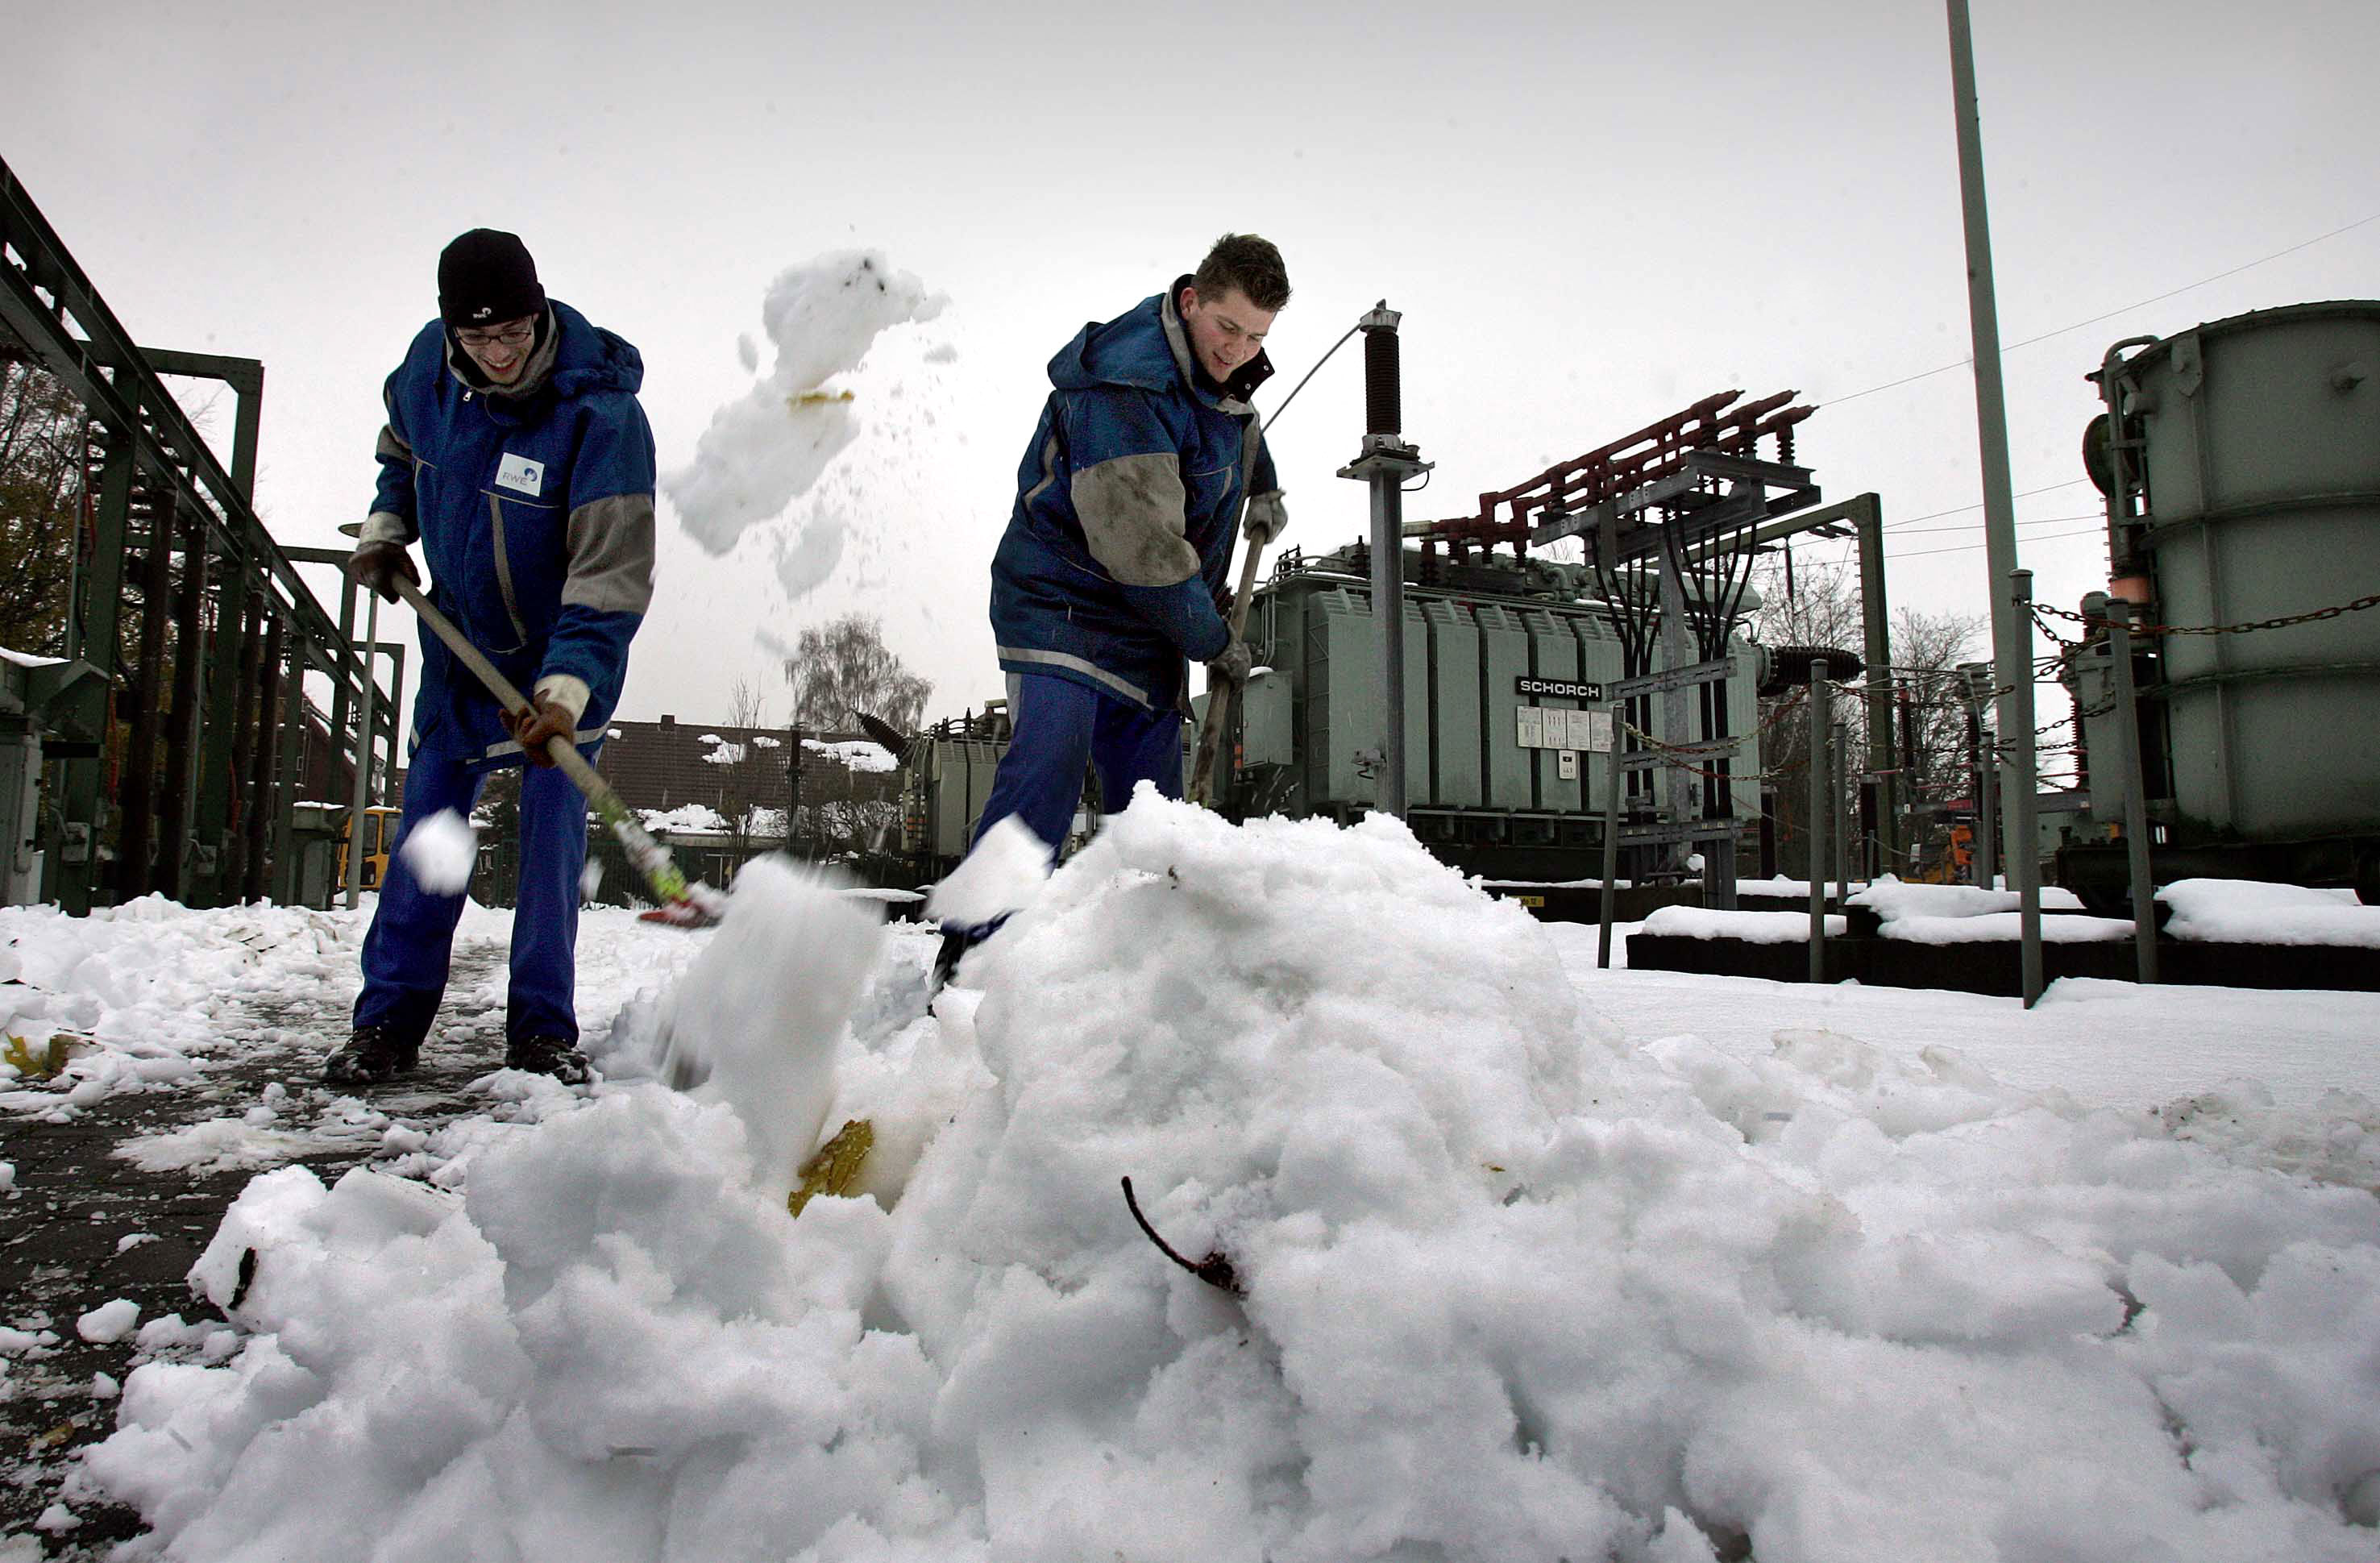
column 1590, row 214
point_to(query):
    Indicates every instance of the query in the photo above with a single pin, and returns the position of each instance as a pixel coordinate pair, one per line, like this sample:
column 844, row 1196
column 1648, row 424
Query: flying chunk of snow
column 442, row 851
column 768, row 447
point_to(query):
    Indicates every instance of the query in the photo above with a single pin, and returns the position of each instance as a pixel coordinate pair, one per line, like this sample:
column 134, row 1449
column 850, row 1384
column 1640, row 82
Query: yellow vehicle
column 380, row 835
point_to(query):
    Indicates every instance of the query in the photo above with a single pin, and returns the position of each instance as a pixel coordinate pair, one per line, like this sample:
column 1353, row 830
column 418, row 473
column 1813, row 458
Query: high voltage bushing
column 1384, row 464
column 1383, row 377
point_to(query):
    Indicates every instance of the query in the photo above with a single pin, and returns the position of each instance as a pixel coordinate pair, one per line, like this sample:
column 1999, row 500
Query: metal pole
column 1614, row 780
column 1883, row 758
column 2135, row 780
column 1389, row 613
column 361, row 796
column 1821, row 810
column 1682, row 801
column 395, row 734
column 263, row 761
column 1837, row 762
column 290, row 770
column 182, row 727
column 1983, row 774
column 1987, row 816
column 2011, row 626
column 2021, row 845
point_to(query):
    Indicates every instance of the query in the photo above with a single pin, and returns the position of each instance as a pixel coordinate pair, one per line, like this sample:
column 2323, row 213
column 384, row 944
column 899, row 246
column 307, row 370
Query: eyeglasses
column 513, row 335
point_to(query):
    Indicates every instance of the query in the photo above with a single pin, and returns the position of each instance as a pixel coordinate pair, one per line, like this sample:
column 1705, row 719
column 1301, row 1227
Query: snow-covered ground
column 1536, row 1261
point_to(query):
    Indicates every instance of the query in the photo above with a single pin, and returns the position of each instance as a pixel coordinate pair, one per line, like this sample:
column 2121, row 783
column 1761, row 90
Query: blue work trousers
column 412, row 936
column 1061, row 726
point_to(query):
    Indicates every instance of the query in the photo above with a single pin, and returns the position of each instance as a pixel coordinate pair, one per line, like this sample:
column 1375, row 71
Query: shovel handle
column 651, row 857
column 1219, row 698
column 560, row 750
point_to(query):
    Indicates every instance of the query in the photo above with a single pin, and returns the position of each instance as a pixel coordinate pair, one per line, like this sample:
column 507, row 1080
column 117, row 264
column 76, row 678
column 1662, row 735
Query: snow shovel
column 1201, row 790
column 683, row 903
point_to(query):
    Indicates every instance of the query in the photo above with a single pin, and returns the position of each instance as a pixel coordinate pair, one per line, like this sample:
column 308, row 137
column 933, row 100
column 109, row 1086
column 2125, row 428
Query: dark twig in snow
column 1215, row 1269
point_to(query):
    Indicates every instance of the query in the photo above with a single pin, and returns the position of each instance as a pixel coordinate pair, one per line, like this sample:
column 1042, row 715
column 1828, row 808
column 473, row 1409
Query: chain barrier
column 2100, row 621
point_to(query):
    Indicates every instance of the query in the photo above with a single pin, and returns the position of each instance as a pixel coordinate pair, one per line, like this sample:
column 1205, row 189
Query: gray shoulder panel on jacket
column 612, row 555
column 1132, row 514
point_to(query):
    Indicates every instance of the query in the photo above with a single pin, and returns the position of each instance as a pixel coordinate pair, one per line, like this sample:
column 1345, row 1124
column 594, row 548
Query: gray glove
column 1266, row 517
column 376, row 566
column 1233, row 666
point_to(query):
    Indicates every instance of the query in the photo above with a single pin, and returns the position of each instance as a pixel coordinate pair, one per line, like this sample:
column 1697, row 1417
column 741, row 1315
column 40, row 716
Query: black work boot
column 547, row 1056
column 370, row 1058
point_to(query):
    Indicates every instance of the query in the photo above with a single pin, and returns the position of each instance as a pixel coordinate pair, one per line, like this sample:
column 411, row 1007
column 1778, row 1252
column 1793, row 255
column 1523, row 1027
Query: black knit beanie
column 485, row 276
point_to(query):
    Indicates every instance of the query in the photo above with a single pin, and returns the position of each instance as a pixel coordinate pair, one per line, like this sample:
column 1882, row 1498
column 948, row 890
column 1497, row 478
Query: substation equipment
column 946, row 772
column 1515, row 674
column 178, row 749
column 2241, row 462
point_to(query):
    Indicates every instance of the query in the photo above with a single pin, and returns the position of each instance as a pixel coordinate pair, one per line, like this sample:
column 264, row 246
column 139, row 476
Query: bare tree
column 842, row 667
column 44, row 444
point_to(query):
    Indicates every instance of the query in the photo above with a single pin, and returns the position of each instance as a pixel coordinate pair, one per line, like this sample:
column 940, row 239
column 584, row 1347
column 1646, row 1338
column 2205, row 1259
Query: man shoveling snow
column 516, row 454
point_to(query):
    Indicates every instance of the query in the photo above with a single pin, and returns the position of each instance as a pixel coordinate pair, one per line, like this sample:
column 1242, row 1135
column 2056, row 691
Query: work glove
column 375, row 567
column 1265, row 518
column 1233, row 666
column 548, row 719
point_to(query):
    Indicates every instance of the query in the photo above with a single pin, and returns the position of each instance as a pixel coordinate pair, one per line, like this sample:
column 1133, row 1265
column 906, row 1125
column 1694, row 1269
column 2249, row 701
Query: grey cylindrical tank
column 2263, row 459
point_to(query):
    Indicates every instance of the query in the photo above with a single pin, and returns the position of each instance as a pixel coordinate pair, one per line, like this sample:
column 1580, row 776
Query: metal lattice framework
column 243, row 627
column 1669, row 517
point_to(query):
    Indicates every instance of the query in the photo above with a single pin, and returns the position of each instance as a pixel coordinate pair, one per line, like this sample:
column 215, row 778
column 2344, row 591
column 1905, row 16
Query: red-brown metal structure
column 1722, row 423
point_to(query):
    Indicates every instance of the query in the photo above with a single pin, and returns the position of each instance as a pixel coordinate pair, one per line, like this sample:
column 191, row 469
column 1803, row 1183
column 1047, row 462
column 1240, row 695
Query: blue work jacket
column 534, row 509
column 1128, row 503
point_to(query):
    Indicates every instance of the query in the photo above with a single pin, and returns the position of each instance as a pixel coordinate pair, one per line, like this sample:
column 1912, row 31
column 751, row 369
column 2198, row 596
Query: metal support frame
column 1707, row 509
column 1822, row 727
column 137, row 780
column 1612, row 782
column 2133, row 778
column 152, row 461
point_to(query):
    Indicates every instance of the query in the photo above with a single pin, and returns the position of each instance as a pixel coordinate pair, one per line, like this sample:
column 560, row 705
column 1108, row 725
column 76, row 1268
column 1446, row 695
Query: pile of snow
column 441, row 850
column 769, row 445
column 2245, row 911
column 857, row 754
column 726, row 754
column 1512, row 1287
column 1985, row 927
column 1751, row 927
column 693, row 819
column 144, row 990
column 151, row 995
column 1895, row 900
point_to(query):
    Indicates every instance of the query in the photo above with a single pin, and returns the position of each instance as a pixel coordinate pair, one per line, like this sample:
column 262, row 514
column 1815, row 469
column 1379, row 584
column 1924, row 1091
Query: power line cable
column 2007, row 347
column 1971, row 547
column 2034, row 521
